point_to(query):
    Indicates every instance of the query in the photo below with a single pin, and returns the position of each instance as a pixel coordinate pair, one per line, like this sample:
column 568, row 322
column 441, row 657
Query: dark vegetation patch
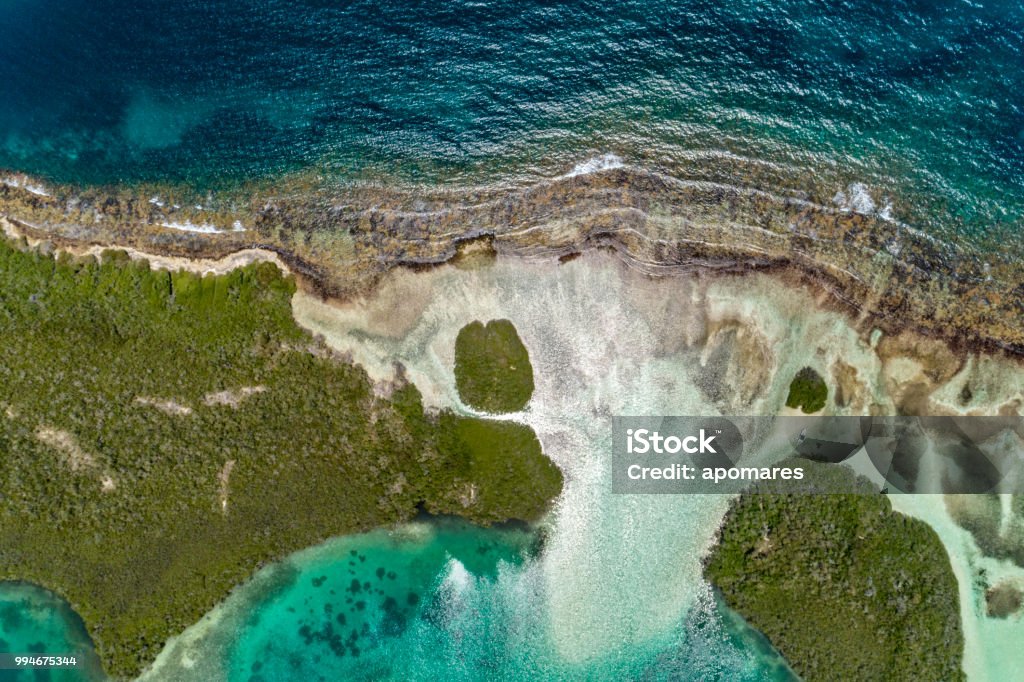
column 492, row 367
column 843, row 587
column 316, row 454
column 1003, row 600
column 505, row 454
column 807, row 391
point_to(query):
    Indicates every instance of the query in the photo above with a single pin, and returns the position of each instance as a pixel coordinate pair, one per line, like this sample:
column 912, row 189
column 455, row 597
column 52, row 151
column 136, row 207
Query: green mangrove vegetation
column 505, row 454
column 807, row 391
column 492, row 367
column 844, row 587
column 162, row 435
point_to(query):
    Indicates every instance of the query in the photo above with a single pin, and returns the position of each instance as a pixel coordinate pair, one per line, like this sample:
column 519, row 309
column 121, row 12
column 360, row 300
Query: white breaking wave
column 456, row 589
column 36, row 189
column 858, row 199
column 595, row 165
column 457, row 579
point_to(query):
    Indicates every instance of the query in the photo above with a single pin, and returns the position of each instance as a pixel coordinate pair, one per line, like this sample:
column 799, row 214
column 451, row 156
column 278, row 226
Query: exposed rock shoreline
column 883, row 274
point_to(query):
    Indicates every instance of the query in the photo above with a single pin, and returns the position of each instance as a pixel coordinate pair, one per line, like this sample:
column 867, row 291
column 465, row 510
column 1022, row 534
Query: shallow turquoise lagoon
column 34, row 621
column 439, row 601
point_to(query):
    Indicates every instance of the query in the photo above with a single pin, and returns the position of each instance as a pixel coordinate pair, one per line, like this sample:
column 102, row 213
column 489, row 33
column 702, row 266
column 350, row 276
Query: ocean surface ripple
column 911, row 108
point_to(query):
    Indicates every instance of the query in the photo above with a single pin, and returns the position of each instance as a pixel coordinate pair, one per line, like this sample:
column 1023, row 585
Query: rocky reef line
column 340, row 242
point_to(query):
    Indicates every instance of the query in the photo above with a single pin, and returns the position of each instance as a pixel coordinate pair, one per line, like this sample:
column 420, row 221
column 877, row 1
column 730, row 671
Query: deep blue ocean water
column 921, row 101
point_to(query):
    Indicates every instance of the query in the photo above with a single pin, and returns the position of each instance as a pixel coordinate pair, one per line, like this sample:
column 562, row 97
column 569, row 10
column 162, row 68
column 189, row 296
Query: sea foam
column 201, row 228
column 189, row 226
column 25, row 184
column 595, row 165
column 857, row 198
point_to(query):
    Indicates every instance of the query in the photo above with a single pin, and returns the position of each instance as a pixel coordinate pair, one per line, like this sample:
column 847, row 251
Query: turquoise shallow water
column 442, row 602
column 431, row 601
column 921, row 102
column 34, row 621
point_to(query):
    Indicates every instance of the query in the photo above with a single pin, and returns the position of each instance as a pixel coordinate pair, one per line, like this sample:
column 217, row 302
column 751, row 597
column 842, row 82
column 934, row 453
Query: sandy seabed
column 607, row 340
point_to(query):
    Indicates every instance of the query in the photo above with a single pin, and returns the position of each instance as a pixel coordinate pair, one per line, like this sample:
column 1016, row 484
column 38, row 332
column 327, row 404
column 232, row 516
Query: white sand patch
column 77, row 459
column 587, row 364
column 165, row 405
column 222, row 479
column 64, row 442
column 204, row 266
column 233, row 397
